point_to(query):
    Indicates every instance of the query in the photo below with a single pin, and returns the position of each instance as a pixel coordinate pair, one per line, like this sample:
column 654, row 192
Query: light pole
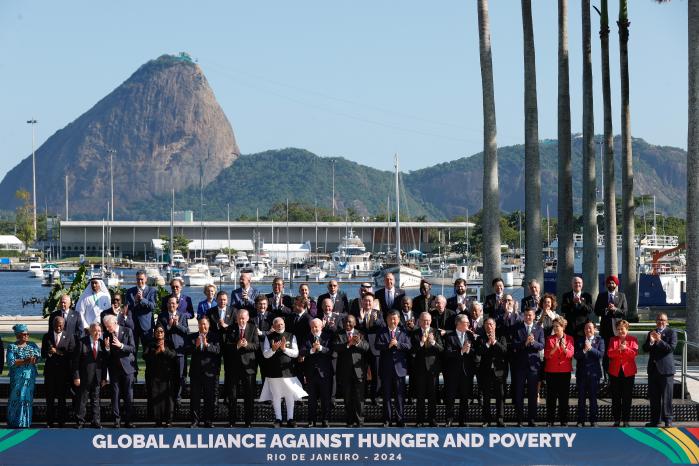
column 33, row 122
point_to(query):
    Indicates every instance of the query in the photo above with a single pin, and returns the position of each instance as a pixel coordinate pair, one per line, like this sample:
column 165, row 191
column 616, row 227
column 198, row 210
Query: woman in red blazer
column 558, row 364
column 622, row 353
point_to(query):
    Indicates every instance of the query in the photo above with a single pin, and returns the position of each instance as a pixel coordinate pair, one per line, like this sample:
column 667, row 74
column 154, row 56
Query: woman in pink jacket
column 622, row 352
column 558, row 364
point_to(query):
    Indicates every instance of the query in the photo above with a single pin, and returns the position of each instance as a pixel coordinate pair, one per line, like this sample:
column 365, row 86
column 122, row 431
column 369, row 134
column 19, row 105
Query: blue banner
column 350, row 446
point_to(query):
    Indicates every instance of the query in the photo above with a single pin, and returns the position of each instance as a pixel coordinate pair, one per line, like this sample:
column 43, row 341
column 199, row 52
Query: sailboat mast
column 397, row 212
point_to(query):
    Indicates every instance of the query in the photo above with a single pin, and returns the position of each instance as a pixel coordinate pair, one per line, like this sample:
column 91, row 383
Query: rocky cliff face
column 162, row 123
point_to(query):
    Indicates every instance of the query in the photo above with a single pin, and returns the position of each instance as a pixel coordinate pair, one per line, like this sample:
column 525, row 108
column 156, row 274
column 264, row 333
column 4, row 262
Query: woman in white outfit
column 280, row 350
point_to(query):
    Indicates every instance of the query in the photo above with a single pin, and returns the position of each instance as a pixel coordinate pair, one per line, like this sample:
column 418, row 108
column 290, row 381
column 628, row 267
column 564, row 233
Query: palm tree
column 534, row 257
column 610, row 245
column 589, row 186
column 628, row 257
column 693, row 175
column 565, row 171
column 491, row 197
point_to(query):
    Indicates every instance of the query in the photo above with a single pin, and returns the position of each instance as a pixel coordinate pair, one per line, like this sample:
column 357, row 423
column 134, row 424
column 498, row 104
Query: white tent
column 11, row 242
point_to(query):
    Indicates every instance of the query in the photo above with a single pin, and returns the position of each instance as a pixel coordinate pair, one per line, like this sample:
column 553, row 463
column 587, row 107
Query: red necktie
column 94, row 350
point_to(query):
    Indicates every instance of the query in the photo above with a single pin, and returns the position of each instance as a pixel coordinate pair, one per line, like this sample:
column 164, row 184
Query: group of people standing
column 382, row 342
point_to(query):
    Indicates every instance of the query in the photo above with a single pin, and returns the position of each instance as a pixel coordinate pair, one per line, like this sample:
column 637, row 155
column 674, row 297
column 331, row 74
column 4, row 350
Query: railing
column 685, row 375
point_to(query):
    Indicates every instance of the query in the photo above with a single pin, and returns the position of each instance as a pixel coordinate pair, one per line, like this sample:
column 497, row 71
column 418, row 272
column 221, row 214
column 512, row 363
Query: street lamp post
column 33, row 122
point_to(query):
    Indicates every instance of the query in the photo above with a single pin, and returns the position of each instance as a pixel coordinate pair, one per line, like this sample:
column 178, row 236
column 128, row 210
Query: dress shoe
column 168, row 425
column 386, row 424
column 448, row 423
column 433, row 424
column 651, row 424
column 277, row 423
column 625, row 424
column 400, row 424
column 419, row 425
column 95, row 425
column 231, row 424
column 194, row 425
column 325, row 424
column 128, row 425
column 519, row 424
column 79, row 425
column 208, row 425
column 248, row 425
column 291, row 423
column 485, row 424
column 61, row 425
column 500, row 424
column 311, row 424
column 564, row 424
column 531, row 424
column 349, row 425
column 593, row 424
column 462, row 424
column 580, row 424
column 549, row 424
column 359, row 424
column 616, row 424
column 668, row 423
column 50, row 425
column 117, row 425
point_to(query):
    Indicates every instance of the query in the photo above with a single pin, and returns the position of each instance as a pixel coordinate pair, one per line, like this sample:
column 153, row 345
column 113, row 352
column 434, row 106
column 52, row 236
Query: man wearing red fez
column 610, row 307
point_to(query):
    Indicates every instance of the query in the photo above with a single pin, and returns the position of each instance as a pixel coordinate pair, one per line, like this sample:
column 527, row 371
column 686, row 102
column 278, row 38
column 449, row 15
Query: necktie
column 201, row 337
column 611, row 298
column 351, row 333
column 317, row 339
column 242, row 332
column 94, row 350
column 529, row 330
column 333, row 298
column 393, row 334
column 390, row 299
column 461, row 338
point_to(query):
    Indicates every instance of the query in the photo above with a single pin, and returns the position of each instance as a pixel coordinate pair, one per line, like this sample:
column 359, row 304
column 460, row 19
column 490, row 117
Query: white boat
column 316, row 273
column 178, row 259
column 154, row 277
column 221, row 259
column 352, row 258
column 35, row 270
column 241, row 260
column 198, row 275
column 111, row 278
column 50, row 274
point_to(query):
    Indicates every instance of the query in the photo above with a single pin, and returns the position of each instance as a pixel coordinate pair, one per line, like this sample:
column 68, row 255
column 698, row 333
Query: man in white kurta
column 93, row 301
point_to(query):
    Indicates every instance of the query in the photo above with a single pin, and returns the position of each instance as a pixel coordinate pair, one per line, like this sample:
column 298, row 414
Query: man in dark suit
column 176, row 330
column 427, row 348
column 424, row 301
column 184, row 302
column 317, row 361
column 442, row 318
column 122, row 314
column 531, row 301
column 57, row 350
column 239, row 350
column 494, row 303
column 221, row 315
column 299, row 322
column 459, row 303
column 244, row 296
column 333, row 321
column 370, row 322
column 461, row 366
column 119, row 345
column 263, row 325
column 493, row 371
column 141, row 302
column 527, row 341
column 389, row 296
column 90, row 373
column 407, row 315
column 660, row 346
column 610, row 307
column 73, row 322
column 576, row 307
column 394, row 346
column 588, row 355
column 356, row 303
column 279, row 303
column 351, row 348
column 205, row 349
column 337, row 297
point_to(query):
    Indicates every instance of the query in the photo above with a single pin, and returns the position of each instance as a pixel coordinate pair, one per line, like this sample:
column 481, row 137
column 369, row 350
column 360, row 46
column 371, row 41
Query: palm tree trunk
column 491, row 197
column 565, row 170
column 611, row 261
column 590, row 275
column 628, row 252
column 534, row 257
column 693, row 177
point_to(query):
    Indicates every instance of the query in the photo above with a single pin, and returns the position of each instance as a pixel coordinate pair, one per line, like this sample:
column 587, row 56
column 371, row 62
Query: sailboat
column 405, row 276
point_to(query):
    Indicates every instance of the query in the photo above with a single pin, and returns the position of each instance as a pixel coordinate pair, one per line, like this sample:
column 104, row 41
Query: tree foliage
column 24, row 217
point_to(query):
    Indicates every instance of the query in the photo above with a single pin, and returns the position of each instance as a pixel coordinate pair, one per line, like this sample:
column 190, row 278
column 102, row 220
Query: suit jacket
column 492, row 307
column 351, row 362
column 445, row 321
column 404, row 322
column 371, row 328
column 85, row 366
column 422, row 304
column 299, row 326
column 338, row 319
column 122, row 360
column 577, row 313
column 397, row 298
column 505, row 325
column 561, row 360
column 287, row 302
column 459, row 365
column 175, row 336
column 394, row 359
column 214, row 316
column 493, row 361
column 453, row 304
column 238, row 302
column 57, row 364
column 73, row 326
column 263, row 323
column 241, row 360
column 341, row 302
column 606, row 327
column 527, row 356
column 184, row 307
column 319, row 363
column 619, row 359
column 426, row 358
column 660, row 355
column 529, row 302
column 142, row 312
column 588, row 363
column 205, row 362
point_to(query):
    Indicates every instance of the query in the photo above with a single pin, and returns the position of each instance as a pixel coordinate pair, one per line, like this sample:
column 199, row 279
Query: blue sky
column 358, row 79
